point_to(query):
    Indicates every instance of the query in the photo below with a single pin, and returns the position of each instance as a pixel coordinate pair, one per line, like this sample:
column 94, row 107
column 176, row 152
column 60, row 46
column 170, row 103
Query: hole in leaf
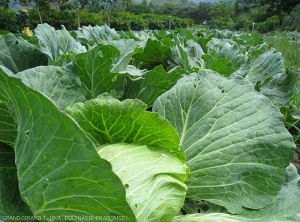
column 27, row 133
column 126, row 185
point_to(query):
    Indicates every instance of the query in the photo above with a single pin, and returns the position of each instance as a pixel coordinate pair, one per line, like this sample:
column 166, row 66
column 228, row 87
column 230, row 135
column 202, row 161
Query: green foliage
column 221, row 15
column 139, row 9
column 93, row 19
column 68, row 18
column 162, row 22
column 202, row 13
column 288, row 43
column 9, row 21
column 296, row 17
column 129, row 21
column 270, row 24
column 4, row 3
column 54, row 17
column 269, row 15
column 243, row 23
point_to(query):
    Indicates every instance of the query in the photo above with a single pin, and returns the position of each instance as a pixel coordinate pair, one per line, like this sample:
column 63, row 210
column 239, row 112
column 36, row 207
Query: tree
column 126, row 4
column 185, row 11
column 222, row 15
column 273, row 7
column 166, row 9
column 37, row 4
column 139, row 9
column 4, row 3
column 96, row 6
column 295, row 14
column 202, row 12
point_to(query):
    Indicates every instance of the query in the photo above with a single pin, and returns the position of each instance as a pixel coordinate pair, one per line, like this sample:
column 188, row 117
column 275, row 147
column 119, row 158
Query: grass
column 288, row 43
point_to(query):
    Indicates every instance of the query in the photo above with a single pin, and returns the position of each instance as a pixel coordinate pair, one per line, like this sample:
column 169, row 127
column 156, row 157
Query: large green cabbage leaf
column 8, row 131
column 235, row 142
column 187, row 54
column 17, row 54
column 155, row 53
column 59, row 170
column 95, row 70
column 152, row 84
column 285, row 208
column 154, row 180
column 58, row 83
column 223, row 56
column 59, row 45
column 109, row 121
column 96, row 34
column 267, row 73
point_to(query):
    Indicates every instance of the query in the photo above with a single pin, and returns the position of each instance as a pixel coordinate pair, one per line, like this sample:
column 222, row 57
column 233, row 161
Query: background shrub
column 9, row 21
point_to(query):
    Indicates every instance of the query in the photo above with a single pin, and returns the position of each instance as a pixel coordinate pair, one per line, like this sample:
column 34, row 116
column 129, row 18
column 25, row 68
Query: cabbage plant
column 106, row 132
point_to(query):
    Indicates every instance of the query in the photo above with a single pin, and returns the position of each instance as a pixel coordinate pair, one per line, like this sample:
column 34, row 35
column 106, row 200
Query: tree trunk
column 40, row 17
column 38, row 11
column 78, row 18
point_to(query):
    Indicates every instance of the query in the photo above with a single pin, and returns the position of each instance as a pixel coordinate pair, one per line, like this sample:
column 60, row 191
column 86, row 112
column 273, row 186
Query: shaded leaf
column 17, row 54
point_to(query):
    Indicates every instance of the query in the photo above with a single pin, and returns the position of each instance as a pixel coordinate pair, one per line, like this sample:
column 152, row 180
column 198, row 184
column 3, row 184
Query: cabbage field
column 170, row 126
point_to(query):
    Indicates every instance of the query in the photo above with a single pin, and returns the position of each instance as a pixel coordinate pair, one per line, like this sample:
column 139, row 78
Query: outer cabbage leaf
column 11, row 203
column 111, row 121
column 187, row 34
column 227, row 50
column 128, row 48
column 267, row 73
column 59, row 170
column 125, row 46
column 222, row 66
column 235, row 142
column 17, row 54
column 285, row 208
column 152, row 84
column 59, row 45
column 8, row 132
column 155, row 53
column 154, row 180
column 95, row 68
column 59, row 84
column 223, row 56
column 96, row 34
column 248, row 40
column 281, row 89
column 188, row 57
